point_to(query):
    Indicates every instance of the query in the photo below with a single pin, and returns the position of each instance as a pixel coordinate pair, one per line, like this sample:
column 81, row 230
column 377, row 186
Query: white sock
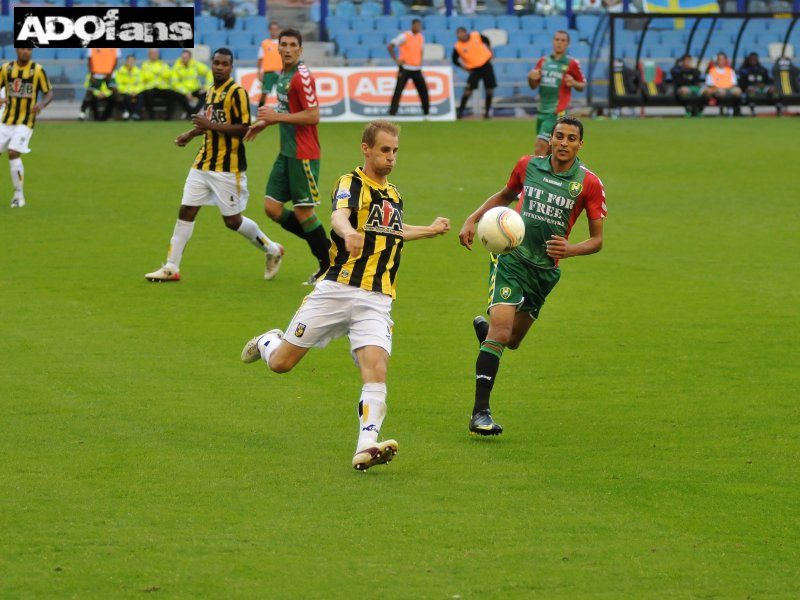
column 371, row 412
column 17, row 175
column 180, row 237
column 267, row 345
column 249, row 229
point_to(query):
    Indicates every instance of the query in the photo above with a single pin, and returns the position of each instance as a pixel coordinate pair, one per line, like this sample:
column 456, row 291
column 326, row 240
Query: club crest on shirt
column 300, row 330
column 505, row 293
column 575, row 188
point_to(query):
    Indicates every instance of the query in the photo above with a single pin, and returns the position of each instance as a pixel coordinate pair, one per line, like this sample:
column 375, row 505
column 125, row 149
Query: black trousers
column 419, row 82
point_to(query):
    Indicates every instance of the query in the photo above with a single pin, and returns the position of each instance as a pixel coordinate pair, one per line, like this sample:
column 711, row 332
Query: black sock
column 486, row 368
column 488, row 110
column 464, row 100
column 320, row 245
column 290, row 223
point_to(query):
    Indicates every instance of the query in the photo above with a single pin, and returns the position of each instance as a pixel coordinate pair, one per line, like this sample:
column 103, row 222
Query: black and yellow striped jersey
column 227, row 103
column 377, row 214
column 23, row 85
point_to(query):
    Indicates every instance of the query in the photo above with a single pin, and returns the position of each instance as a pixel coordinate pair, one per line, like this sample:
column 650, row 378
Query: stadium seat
column 518, row 71
column 44, row 54
column 435, row 23
column 497, row 37
column 506, row 52
column 432, row 52
column 399, row 8
column 505, row 91
column 344, row 8
column 357, row 53
column 170, row 55
column 508, row 22
column 245, row 53
column 217, row 39
column 371, row 9
column 532, row 23
column 257, row 24
column 555, row 22
column 336, row 23
column 388, row 25
column 204, row 23
column 76, row 53
column 373, row 38
column 483, row 22
column 457, row 21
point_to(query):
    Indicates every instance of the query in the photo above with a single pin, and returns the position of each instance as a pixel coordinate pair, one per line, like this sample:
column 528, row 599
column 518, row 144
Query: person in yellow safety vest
column 129, row 85
column 269, row 64
column 191, row 79
column 409, row 62
column 99, row 94
column 101, row 63
column 156, row 80
column 473, row 52
column 722, row 85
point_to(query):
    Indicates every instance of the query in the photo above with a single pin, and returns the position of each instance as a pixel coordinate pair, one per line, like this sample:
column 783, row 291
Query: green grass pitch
column 652, row 424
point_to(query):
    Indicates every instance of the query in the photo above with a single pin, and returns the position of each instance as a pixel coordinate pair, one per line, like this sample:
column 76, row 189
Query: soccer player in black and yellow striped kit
column 218, row 176
column 23, row 81
column 354, row 296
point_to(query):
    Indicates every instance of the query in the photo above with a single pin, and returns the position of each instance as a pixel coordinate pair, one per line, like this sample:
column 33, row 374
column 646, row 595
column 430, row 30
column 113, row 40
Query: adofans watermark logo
column 81, row 27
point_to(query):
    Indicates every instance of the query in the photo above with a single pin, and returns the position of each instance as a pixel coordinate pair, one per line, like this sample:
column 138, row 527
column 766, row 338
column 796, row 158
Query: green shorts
column 268, row 81
column 545, row 123
column 511, row 282
column 294, row 179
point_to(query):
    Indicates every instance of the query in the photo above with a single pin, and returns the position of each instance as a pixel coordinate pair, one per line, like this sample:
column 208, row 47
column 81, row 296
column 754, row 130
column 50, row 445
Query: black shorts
column 486, row 73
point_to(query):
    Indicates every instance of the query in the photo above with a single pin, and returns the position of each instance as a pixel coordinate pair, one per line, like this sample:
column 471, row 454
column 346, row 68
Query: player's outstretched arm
column 440, row 226
column 502, row 198
column 340, row 223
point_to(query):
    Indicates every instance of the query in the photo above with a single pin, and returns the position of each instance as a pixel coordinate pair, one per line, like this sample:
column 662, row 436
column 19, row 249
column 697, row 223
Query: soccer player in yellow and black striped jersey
column 23, row 80
column 354, row 297
column 218, row 176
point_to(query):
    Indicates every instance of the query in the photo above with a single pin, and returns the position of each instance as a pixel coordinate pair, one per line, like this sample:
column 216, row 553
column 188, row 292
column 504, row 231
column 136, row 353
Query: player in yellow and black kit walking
column 354, row 297
column 218, row 176
column 23, row 80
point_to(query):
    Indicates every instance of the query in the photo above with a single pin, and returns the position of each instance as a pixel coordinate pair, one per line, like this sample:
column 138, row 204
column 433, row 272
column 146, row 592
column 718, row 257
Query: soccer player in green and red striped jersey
column 549, row 192
column 555, row 76
column 295, row 172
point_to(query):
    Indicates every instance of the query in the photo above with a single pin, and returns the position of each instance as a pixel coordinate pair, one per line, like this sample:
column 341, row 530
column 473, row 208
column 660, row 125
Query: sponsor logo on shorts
column 300, row 330
column 505, row 293
column 575, row 189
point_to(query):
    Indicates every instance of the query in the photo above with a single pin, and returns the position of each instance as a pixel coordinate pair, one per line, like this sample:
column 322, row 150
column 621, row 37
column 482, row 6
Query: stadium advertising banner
column 364, row 93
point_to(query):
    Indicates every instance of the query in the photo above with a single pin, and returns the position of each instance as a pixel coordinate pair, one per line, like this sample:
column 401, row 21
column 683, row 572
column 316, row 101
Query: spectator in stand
column 722, row 85
column 225, row 12
column 473, row 53
column 156, row 79
column 687, row 81
column 270, row 64
column 129, row 86
column 409, row 62
column 190, row 80
column 101, row 64
column 756, row 80
column 100, row 99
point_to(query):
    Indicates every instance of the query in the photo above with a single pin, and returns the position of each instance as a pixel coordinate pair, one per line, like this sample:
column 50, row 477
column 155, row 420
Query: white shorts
column 206, row 188
column 15, row 137
column 335, row 310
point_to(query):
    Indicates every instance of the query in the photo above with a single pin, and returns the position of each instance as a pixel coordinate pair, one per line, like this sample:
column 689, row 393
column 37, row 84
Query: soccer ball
column 501, row 230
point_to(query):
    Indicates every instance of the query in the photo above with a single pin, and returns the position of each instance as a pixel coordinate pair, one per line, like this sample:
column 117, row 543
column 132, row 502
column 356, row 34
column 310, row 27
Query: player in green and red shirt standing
column 555, row 76
column 549, row 192
column 295, row 173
